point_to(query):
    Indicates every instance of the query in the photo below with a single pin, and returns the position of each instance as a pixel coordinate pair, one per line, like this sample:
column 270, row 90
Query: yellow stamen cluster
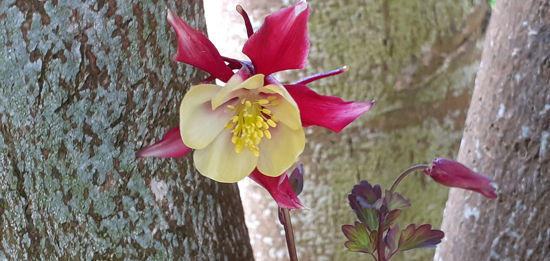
column 251, row 122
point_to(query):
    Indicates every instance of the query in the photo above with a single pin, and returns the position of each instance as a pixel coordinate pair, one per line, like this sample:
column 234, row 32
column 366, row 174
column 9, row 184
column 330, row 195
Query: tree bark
column 83, row 86
column 507, row 136
column 418, row 60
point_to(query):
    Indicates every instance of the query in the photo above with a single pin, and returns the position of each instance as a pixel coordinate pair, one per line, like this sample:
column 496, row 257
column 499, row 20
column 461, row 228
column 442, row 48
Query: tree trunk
column 83, row 86
column 418, row 59
column 507, row 136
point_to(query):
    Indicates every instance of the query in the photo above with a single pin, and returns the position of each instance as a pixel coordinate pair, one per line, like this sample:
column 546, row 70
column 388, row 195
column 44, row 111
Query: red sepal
column 279, row 188
column 171, row 146
column 282, row 43
column 196, row 50
column 325, row 111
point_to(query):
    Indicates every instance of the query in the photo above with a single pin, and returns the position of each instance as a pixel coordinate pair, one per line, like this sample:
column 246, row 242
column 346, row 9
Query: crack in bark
column 42, row 78
column 81, row 76
column 12, row 157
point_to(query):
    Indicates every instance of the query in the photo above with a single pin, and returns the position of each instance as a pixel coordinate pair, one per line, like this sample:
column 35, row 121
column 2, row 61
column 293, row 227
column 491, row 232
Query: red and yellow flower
column 253, row 125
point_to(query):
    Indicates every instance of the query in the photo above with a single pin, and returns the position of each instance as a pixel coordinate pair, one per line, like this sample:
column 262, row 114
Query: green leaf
column 423, row 236
column 360, row 239
column 492, row 3
column 390, row 218
column 394, row 200
column 369, row 216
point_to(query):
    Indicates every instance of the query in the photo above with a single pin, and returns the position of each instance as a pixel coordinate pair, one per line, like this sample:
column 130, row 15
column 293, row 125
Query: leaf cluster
column 376, row 231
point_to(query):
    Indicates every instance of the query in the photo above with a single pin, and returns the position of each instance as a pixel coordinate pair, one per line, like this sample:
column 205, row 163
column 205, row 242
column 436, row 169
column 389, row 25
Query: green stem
column 289, row 234
column 405, row 173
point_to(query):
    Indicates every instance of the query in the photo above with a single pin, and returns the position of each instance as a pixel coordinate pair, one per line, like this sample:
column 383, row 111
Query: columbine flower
column 253, row 124
column 249, row 125
column 453, row 174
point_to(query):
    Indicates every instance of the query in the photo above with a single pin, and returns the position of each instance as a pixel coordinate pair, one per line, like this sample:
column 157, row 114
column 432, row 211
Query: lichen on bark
column 83, row 85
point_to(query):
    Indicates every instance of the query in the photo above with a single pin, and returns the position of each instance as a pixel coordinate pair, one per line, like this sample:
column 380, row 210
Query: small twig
column 284, row 217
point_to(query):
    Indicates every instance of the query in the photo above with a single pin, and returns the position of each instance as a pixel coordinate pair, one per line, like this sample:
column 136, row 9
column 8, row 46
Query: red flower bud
column 453, row 174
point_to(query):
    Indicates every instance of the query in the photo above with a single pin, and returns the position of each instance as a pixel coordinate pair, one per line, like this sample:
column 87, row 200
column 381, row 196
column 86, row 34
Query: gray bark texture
column 83, row 86
column 507, row 136
column 418, row 59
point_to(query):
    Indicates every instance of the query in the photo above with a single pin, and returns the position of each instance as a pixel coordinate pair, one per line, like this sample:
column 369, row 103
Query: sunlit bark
column 507, row 136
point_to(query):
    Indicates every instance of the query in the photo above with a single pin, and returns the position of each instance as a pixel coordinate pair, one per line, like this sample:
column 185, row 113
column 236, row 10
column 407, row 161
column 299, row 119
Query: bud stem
column 405, row 173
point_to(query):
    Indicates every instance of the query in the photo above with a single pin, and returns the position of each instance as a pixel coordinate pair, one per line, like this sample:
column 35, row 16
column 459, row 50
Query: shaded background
column 418, row 59
column 84, row 84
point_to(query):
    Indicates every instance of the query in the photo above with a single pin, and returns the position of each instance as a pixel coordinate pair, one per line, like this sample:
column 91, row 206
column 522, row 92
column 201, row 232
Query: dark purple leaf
column 366, row 194
column 297, row 180
column 390, row 239
column 365, row 202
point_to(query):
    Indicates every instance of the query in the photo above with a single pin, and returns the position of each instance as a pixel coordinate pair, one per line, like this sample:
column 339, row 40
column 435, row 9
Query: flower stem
column 405, row 173
column 381, row 246
column 284, row 216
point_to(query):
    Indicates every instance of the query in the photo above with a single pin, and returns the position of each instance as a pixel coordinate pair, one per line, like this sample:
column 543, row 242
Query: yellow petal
column 272, row 88
column 254, row 82
column 287, row 114
column 220, row 162
column 227, row 92
column 281, row 151
column 236, row 87
column 287, row 110
column 199, row 124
